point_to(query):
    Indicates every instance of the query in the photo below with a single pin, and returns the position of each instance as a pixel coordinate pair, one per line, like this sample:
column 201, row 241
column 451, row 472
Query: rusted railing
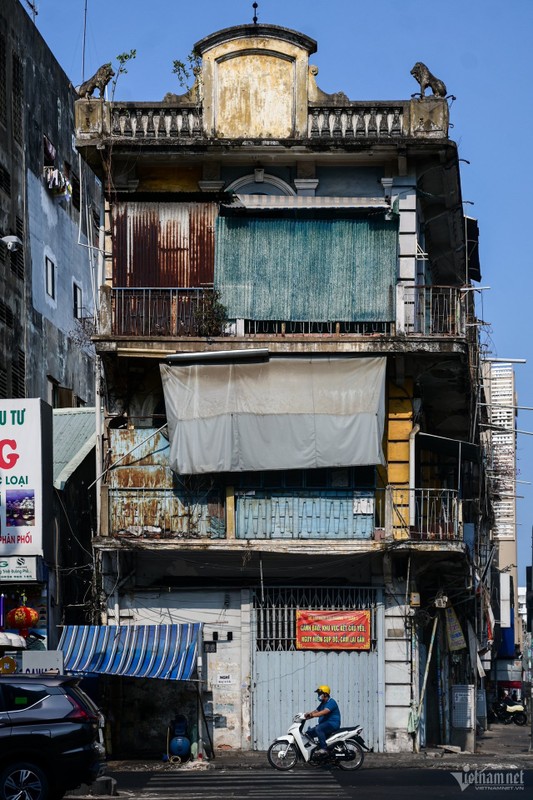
column 422, row 310
column 163, row 312
column 165, row 514
column 420, row 514
column 433, row 310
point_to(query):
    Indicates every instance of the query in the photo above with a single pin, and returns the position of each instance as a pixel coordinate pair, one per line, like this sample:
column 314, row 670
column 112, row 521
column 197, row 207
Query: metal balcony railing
column 433, row 310
column 175, row 312
column 422, row 515
column 163, row 312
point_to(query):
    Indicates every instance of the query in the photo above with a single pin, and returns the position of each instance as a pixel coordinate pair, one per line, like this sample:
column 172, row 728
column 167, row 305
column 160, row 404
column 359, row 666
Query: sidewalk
column 502, row 745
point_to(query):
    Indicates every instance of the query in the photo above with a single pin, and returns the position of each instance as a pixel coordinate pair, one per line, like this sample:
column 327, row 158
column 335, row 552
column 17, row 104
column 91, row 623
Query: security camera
column 12, row 242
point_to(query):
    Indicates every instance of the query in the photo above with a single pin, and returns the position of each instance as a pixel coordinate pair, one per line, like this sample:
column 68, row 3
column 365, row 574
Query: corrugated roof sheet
column 74, row 437
column 168, row 652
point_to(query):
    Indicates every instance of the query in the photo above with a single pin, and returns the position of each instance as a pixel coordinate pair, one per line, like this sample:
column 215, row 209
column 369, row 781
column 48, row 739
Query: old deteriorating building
column 49, row 203
column 291, row 455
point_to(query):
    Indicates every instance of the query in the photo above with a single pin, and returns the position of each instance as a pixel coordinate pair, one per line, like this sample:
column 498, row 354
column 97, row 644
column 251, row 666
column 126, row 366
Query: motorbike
column 345, row 747
column 500, row 711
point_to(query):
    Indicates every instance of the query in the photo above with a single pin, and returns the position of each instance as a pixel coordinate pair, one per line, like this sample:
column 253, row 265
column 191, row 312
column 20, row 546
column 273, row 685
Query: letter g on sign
column 7, row 459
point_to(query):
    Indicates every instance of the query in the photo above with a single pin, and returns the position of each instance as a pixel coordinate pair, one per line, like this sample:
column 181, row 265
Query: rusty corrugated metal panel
column 163, row 244
column 139, row 463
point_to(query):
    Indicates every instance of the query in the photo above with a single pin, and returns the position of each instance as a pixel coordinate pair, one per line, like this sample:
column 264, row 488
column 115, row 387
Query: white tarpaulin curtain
column 286, row 413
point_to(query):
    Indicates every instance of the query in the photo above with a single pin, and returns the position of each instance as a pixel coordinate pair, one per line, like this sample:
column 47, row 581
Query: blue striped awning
column 168, row 652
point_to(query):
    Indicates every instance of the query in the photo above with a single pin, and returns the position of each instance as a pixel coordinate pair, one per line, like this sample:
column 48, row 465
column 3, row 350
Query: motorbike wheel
column 355, row 755
column 520, row 718
column 282, row 756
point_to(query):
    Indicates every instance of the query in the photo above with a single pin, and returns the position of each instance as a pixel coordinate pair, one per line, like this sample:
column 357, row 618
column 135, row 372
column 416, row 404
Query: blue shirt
column 334, row 716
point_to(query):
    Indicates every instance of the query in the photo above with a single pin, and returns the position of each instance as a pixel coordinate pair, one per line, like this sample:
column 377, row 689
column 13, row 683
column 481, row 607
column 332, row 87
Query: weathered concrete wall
column 226, row 690
column 255, row 88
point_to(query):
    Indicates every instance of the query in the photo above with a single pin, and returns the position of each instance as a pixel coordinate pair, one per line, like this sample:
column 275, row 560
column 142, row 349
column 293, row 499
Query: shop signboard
column 17, row 569
column 22, row 452
column 333, row 630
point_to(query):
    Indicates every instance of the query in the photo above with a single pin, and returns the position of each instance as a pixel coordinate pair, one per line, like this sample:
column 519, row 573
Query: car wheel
column 23, row 781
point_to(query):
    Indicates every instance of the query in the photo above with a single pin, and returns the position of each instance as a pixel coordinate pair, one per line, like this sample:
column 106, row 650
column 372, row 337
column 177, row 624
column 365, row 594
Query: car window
column 18, row 696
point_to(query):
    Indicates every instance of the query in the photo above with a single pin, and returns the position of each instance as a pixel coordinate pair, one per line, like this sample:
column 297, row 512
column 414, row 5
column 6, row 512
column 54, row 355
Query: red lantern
column 22, row 618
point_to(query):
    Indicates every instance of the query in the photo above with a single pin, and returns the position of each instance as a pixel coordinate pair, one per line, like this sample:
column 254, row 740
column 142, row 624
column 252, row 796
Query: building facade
column 50, row 209
column 290, row 443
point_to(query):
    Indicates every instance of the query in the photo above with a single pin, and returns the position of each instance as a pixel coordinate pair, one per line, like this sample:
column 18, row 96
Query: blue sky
column 481, row 49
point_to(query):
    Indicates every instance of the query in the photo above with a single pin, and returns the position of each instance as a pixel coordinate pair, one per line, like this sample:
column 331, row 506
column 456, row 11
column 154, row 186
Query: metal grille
column 6, row 315
column 3, row 80
column 3, row 383
column 5, row 181
column 18, row 375
column 17, row 257
column 18, row 99
column 275, row 611
column 278, row 327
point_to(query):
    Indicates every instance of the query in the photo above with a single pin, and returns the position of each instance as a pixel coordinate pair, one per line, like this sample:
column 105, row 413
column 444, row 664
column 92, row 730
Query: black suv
column 50, row 737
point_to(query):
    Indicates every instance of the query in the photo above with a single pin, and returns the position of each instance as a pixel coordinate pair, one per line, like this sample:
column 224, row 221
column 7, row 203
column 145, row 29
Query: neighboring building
column 49, row 223
column 500, row 393
column 50, row 201
column 289, row 287
column 71, row 580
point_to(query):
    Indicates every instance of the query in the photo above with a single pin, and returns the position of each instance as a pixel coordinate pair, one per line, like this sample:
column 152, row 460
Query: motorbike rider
column 329, row 717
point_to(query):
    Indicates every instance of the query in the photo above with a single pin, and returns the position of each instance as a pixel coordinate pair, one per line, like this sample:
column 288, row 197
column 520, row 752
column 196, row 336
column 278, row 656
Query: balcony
column 180, row 312
column 433, row 310
column 421, row 515
column 183, row 123
column 170, row 515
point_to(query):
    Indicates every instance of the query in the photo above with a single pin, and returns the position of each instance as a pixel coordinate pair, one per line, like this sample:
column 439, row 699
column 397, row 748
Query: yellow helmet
column 323, row 690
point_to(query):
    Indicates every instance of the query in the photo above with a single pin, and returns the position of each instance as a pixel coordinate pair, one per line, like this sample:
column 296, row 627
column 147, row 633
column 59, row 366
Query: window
column 77, row 301
column 17, row 698
column 49, row 152
column 50, row 278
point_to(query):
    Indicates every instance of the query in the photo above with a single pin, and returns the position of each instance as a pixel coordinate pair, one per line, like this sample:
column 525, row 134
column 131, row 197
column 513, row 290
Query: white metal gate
column 284, row 679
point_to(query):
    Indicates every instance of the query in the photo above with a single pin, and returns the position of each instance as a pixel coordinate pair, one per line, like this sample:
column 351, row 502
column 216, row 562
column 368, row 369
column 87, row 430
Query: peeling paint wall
column 255, row 88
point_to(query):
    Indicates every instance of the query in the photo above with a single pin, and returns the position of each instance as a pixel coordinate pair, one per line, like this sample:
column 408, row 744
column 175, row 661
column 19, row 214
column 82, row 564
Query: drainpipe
column 412, row 473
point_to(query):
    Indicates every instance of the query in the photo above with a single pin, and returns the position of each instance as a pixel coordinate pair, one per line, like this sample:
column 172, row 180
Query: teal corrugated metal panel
column 307, row 270
column 305, row 515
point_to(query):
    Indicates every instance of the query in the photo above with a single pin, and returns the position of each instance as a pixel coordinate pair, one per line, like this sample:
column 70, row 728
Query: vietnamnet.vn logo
column 485, row 780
